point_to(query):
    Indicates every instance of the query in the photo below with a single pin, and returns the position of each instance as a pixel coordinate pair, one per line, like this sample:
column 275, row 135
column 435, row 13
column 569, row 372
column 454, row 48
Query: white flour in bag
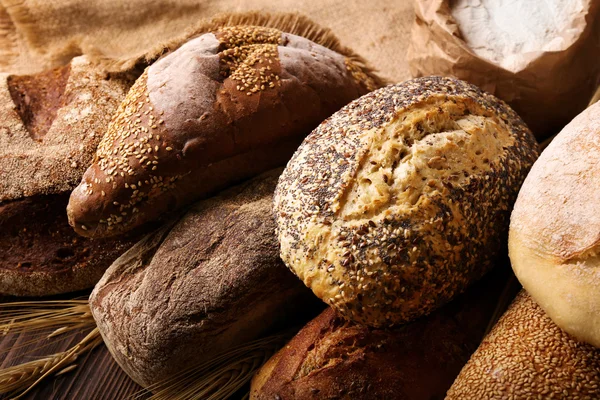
column 503, row 30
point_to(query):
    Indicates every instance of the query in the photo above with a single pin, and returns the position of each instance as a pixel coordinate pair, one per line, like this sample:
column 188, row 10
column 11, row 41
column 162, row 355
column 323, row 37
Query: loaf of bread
column 331, row 358
column 226, row 105
column 50, row 126
column 41, row 255
column 401, row 199
column 554, row 241
column 188, row 292
column 526, row 356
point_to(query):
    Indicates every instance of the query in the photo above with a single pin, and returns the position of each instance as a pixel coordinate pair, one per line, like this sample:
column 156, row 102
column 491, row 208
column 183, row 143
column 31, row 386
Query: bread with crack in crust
column 401, row 199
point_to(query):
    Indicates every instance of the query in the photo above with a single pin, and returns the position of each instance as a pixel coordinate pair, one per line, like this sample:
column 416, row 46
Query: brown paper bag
column 547, row 91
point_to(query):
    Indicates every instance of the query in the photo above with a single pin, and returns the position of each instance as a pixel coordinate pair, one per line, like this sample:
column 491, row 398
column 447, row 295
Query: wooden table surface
column 96, row 377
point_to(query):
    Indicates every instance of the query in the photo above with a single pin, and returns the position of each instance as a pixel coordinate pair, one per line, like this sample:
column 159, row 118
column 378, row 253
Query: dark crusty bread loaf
column 50, row 126
column 332, row 358
column 526, row 356
column 41, row 255
column 224, row 106
column 402, row 198
column 190, row 291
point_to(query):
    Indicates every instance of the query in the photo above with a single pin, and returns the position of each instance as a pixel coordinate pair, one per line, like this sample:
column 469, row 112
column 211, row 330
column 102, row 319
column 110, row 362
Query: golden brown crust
column 554, row 233
column 234, row 91
column 50, row 126
column 401, row 199
column 526, row 356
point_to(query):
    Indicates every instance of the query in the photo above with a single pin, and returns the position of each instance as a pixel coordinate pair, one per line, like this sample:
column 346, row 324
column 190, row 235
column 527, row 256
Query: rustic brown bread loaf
column 332, row 358
column 402, row 198
column 526, row 356
column 50, row 126
column 190, row 291
column 41, row 255
column 226, row 105
column 553, row 241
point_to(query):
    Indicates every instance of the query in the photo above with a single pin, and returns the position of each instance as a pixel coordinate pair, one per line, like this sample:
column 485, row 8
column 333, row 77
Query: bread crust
column 50, row 126
column 205, row 283
column 401, row 199
column 43, row 256
column 331, row 358
column 245, row 95
column 554, row 239
column 526, row 356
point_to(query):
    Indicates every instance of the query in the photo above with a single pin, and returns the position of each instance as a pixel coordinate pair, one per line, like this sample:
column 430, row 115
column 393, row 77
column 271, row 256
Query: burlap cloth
column 40, row 34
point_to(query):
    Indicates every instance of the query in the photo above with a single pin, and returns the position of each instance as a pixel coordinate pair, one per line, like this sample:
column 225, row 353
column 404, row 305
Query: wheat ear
column 24, row 377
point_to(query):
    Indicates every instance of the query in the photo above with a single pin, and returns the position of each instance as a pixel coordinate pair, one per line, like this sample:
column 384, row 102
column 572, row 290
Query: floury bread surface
column 50, row 126
column 554, row 241
column 401, row 199
column 199, row 287
column 225, row 106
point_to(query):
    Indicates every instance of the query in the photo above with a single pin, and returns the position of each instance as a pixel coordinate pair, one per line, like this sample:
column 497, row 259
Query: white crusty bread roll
column 555, row 229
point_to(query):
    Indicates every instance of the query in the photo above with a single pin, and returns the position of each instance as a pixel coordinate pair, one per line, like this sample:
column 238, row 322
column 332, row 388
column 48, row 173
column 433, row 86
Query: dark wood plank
column 97, row 375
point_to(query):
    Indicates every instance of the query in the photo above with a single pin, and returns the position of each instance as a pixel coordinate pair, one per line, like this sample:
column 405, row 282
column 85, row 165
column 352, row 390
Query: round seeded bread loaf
column 401, row 199
column 554, row 238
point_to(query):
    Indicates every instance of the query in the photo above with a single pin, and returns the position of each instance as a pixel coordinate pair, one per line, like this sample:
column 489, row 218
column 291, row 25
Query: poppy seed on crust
column 401, row 199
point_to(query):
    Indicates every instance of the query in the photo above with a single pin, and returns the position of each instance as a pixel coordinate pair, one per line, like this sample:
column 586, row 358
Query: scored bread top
column 400, row 199
column 50, row 126
column 554, row 238
column 222, row 94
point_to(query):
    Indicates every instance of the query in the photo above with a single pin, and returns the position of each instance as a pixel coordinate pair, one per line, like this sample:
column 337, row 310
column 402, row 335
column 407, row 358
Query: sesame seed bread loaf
column 554, row 241
column 207, row 282
column 526, row 356
column 225, row 106
column 401, row 199
column 331, row 358
column 50, row 126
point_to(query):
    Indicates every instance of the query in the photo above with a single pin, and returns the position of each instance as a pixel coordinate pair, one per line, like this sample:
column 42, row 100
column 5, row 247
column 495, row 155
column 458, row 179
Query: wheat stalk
column 28, row 316
column 63, row 316
column 24, row 377
column 220, row 377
